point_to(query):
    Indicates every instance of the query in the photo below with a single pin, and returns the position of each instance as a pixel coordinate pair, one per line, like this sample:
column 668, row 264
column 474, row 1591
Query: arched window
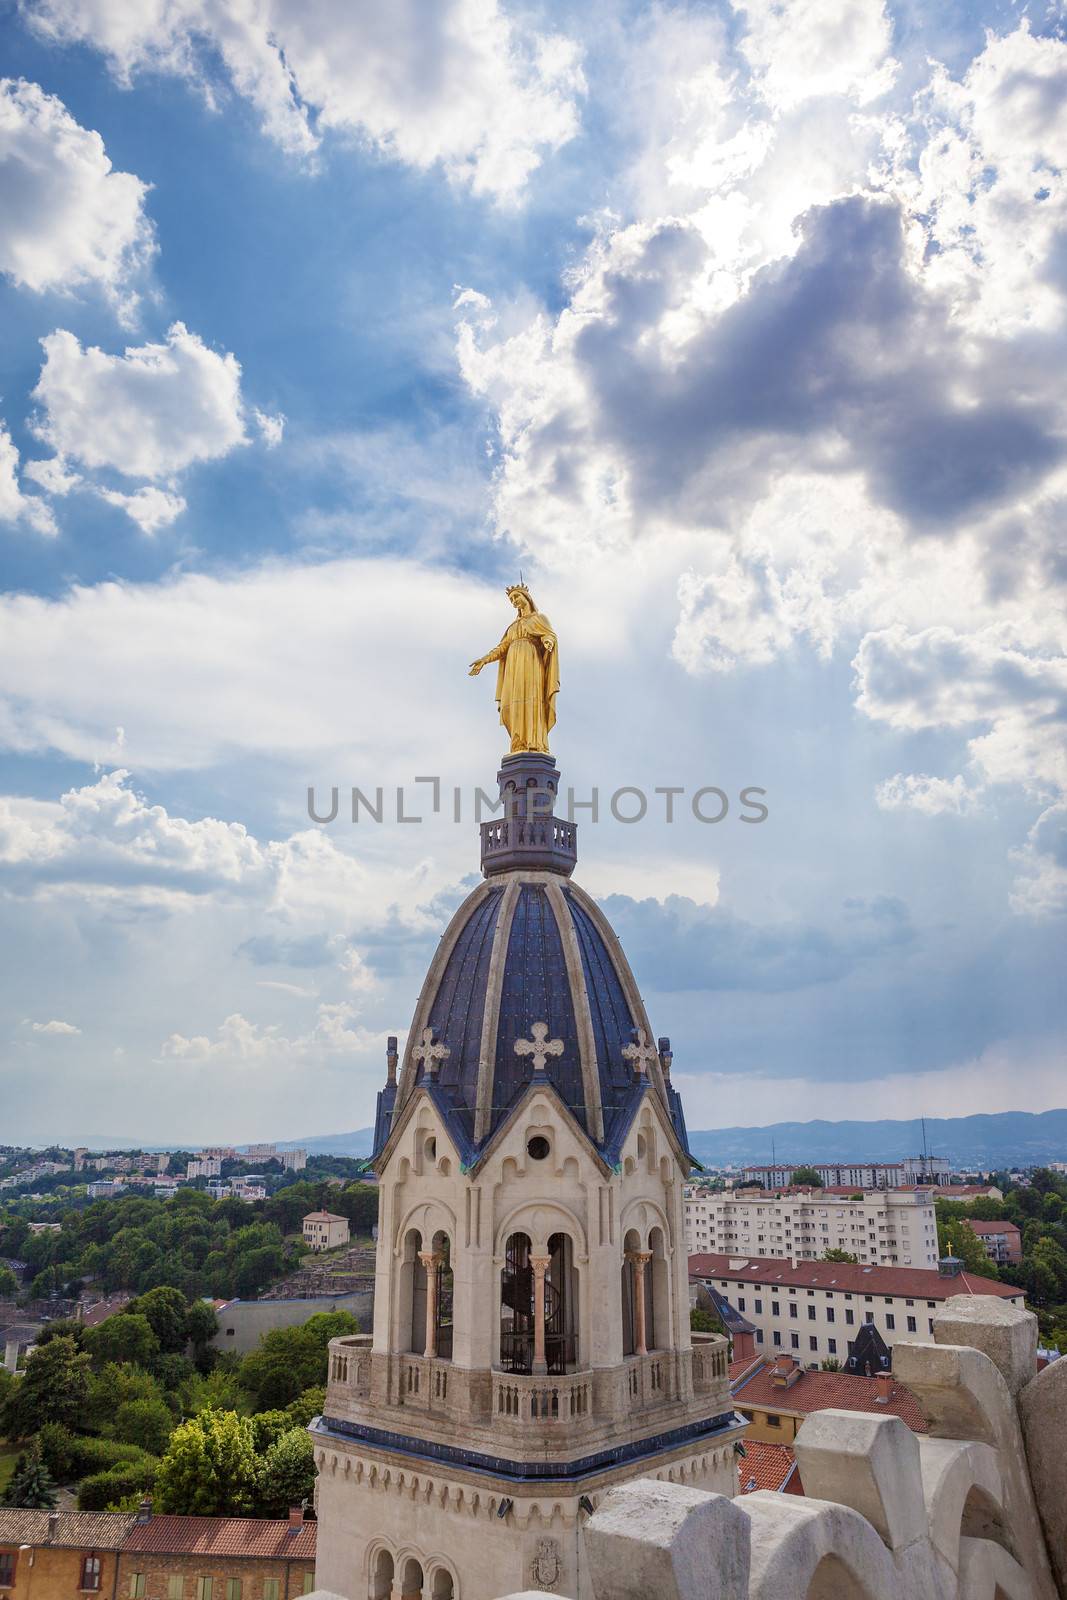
column 517, row 1306
column 411, row 1310
column 441, row 1587
column 381, row 1583
column 411, row 1582
column 561, row 1306
column 638, row 1307
column 442, row 1250
column 533, row 1288
column 658, row 1287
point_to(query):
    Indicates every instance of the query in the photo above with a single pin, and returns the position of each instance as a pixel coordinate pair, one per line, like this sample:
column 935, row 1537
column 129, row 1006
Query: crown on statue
column 518, row 588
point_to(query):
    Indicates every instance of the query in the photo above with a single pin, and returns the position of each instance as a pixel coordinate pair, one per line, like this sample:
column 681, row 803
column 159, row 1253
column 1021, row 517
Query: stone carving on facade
column 547, row 1566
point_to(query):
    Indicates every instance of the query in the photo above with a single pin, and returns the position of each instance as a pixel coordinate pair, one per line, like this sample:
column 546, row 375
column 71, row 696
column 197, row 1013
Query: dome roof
column 529, row 948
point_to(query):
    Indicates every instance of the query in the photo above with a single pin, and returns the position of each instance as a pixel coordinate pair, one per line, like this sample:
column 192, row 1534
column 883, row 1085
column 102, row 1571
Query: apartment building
column 857, row 1174
column 1003, row 1241
column 324, row 1230
column 813, row 1310
column 891, row 1228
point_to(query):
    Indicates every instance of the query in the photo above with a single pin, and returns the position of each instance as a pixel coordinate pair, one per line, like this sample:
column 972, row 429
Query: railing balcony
column 423, row 1382
column 350, row 1361
column 711, row 1357
column 541, row 1402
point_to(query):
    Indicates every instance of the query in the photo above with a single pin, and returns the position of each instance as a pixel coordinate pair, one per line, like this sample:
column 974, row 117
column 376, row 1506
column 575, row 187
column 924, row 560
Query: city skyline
column 737, row 334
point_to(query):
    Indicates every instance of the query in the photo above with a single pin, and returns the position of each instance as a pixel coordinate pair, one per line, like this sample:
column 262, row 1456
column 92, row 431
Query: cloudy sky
column 738, row 326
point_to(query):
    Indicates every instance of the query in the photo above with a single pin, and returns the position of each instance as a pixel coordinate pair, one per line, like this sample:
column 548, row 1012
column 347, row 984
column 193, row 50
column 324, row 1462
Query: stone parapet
column 885, row 1514
column 515, row 1414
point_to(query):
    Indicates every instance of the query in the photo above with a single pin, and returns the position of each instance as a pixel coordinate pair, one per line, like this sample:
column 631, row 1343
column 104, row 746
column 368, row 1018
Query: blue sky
column 739, row 329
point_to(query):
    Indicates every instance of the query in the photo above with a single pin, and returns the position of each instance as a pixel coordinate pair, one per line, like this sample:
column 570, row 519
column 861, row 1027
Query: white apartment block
column 880, row 1227
column 259, row 1152
column 294, row 1160
column 857, row 1174
column 814, row 1310
column 206, row 1167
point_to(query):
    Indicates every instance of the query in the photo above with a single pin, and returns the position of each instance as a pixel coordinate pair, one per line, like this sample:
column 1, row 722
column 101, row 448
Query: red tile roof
column 977, row 1226
column 767, row 1466
column 223, row 1536
column 821, row 1391
column 324, row 1216
column 93, row 1530
column 922, row 1283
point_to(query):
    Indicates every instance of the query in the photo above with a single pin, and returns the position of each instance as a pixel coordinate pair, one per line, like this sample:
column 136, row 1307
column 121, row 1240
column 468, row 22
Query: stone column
column 540, row 1265
column 640, row 1260
column 431, row 1261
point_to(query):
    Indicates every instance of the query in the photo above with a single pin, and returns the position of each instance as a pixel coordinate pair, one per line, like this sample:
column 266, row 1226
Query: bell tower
column 531, row 1343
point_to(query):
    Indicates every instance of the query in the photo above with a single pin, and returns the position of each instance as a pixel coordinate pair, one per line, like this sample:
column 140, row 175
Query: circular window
column 538, row 1147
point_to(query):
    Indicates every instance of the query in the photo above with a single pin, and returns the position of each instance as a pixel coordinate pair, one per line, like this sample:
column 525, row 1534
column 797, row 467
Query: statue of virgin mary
column 527, row 679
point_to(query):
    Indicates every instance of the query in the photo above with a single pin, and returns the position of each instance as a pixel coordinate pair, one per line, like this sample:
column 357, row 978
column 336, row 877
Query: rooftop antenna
column 926, row 1173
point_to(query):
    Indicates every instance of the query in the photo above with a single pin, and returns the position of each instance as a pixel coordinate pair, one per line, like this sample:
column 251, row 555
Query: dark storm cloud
column 679, row 944
column 838, row 345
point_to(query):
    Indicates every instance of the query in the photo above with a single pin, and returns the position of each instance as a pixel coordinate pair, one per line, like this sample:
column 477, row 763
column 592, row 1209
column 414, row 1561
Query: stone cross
column 639, row 1052
column 431, row 1055
column 540, row 1046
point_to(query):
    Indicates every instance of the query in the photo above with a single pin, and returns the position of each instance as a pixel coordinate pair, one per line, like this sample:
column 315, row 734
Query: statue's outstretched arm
column 483, row 661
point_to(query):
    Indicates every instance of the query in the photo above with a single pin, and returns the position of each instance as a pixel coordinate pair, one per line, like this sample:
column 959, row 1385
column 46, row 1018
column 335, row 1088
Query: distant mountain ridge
column 997, row 1139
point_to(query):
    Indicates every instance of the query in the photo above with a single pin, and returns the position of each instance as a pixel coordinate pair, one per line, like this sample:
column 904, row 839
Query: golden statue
column 527, row 679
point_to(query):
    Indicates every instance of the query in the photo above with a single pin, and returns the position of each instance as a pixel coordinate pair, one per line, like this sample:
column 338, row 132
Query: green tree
column 839, row 1255
column 288, row 1474
column 148, row 1423
column 9, row 1284
column 290, row 1360
column 703, row 1321
column 957, row 1239
column 807, row 1175
column 53, row 1388
column 125, row 1337
column 268, row 1427
column 201, row 1323
column 167, row 1314
column 307, row 1405
column 31, row 1485
column 210, row 1468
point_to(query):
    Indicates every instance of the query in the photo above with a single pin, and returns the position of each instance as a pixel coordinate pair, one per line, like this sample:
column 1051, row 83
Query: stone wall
column 977, row 1510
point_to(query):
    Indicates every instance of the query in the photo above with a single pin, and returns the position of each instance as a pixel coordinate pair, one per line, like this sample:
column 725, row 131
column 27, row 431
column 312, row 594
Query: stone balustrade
column 538, row 1401
column 975, row 1510
column 645, row 1389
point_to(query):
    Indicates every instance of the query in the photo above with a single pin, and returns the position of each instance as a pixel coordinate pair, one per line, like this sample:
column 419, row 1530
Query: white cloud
column 459, row 84
column 990, row 179
column 53, row 475
column 298, row 663
column 147, row 413
column 68, row 219
column 238, row 1041
column 63, row 1029
column 800, row 371
column 150, row 508
column 933, row 797
column 817, row 47
column 271, row 427
column 14, row 505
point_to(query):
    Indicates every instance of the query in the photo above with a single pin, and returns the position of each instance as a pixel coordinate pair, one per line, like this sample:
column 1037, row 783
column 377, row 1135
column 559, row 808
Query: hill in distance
column 1022, row 1138
column 1000, row 1139
column 1004, row 1138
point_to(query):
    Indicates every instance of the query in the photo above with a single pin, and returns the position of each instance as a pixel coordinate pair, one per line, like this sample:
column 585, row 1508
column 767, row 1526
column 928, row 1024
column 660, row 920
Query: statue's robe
column 527, row 682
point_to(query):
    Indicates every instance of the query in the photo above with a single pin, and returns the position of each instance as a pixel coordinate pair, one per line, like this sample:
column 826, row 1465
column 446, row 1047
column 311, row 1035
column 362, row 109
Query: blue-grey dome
column 528, row 948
